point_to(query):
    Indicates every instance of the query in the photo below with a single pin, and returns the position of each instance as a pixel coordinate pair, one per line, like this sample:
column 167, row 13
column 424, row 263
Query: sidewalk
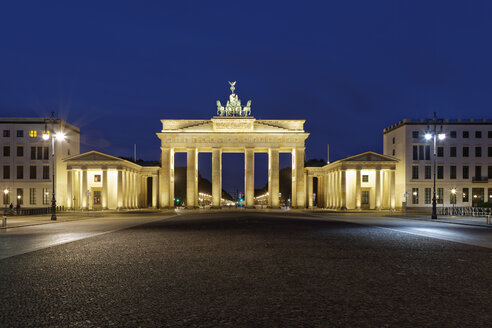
column 464, row 220
column 32, row 220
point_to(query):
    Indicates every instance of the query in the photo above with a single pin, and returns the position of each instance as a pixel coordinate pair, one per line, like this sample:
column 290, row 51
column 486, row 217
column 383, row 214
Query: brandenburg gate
column 233, row 130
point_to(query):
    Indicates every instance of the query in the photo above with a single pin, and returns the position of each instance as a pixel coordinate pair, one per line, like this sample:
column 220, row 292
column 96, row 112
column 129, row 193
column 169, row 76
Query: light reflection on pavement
column 20, row 240
column 466, row 234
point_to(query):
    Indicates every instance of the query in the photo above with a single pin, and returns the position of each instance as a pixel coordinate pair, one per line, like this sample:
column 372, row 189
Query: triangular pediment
column 369, row 156
column 93, row 156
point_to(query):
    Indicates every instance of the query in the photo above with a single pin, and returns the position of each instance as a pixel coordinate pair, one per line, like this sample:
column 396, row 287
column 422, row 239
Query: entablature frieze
column 233, row 142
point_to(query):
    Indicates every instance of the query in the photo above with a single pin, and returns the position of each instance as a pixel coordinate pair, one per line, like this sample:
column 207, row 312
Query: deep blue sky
column 350, row 68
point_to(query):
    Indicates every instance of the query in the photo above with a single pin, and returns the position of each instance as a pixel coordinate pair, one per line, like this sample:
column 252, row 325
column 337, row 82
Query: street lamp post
column 453, row 192
column 434, row 134
column 60, row 136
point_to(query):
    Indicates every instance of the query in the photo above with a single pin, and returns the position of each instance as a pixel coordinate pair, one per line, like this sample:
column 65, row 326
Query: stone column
column 191, row 177
column 154, row 191
column 310, row 190
column 104, row 194
column 69, row 189
column 378, row 188
column 321, row 195
column 119, row 189
column 216, row 177
column 164, row 179
column 300, row 183
column 273, row 177
column 85, row 199
column 358, row 195
column 392, row 188
column 249, row 177
column 343, row 191
column 293, row 198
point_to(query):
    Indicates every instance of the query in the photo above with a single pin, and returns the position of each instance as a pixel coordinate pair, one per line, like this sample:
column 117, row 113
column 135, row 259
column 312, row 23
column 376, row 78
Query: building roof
column 37, row 120
column 446, row 121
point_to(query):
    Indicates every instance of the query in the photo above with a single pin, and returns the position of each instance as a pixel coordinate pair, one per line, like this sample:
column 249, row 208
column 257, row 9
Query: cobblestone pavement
column 249, row 270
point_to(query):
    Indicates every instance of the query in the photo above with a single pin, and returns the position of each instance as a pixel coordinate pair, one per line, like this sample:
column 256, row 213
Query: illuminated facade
column 233, row 131
column 99, row 181
column 364, row 181
column 464, row 162
column 26, row 161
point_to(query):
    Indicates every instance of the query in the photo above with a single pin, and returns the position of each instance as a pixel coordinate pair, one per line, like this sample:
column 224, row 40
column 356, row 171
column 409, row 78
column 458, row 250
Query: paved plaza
column 246, row 269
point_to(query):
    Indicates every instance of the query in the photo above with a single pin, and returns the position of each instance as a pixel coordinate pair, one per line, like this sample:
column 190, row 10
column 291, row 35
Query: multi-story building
column 463, row 162
column 26, row 160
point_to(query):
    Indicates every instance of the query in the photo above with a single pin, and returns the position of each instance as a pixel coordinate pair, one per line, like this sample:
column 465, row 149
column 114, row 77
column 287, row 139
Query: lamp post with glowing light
column 60, row 137
column 453, row 193
column 434, row 134
column 5, row 193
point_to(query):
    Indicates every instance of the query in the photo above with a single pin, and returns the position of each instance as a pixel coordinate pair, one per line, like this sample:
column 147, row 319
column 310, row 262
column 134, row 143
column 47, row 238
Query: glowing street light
column 59, row 136
column 434, row 134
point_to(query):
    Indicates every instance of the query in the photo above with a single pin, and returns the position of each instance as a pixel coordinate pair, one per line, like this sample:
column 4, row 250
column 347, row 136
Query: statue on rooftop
column 233, row 107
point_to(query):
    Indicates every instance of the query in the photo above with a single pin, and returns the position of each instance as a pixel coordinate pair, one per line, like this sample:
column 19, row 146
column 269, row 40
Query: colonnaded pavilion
column 99, row 181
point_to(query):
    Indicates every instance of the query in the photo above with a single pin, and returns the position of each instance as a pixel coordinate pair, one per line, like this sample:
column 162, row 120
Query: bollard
column 488, row 219
column 4, row 221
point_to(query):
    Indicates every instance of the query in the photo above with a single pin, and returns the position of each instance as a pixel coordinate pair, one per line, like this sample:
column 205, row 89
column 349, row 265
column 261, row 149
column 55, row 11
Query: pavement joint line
column 90, row 236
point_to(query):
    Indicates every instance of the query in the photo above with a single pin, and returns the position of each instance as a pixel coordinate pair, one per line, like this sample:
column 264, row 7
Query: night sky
column 349, row 68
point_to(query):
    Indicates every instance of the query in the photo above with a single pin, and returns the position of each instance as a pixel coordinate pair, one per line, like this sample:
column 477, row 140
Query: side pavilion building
column 364, row 181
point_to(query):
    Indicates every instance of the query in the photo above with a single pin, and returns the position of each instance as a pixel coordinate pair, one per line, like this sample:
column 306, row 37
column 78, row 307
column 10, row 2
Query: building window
column 20, row 196
column 33, row 133
column 453, row 134
column 490, row 134
column 46, row 196
column 440, row 172
column 452, row 172
column 32, row 172
column 20, row 133
column 6, row 151
column 466, row 172
column 20, row 151
column 46, row 172
column 415, row 195
column 427, row 153
column 415, row 134
column 46, row 153
column 97, row 178
column 478, row 172
column 6, row 133
column 421, row 152
column 440, row 195
column 466, row 195
column 428, row 195
column 440, row 151
column 365, row 178
column 33, row 153
column 478, row 134
column 428, row 172
column 415, row 153
column 489, row 175
column 452, row 151
column 20, row 172
column 466, row 151
column 32, row 196
column 478, row 151
column 393, row 140
column 415, row 172
column 6, row 171
column 466, row 134
column 6, row 198
column 490, row 152
column 393, row 152
column 39, row 152
column 452, row 196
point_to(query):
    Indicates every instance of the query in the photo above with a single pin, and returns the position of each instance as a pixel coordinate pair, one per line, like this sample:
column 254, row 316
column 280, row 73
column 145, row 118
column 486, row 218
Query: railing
column 480, row 179
column 32, row 211
column 464, row 211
